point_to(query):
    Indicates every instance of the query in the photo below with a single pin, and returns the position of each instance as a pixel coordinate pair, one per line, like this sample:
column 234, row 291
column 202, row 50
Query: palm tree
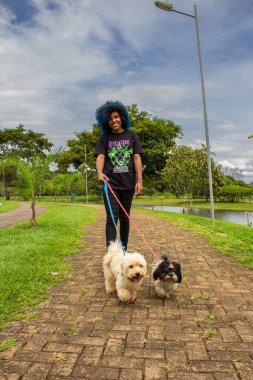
column 68, row 181
column 34, row 173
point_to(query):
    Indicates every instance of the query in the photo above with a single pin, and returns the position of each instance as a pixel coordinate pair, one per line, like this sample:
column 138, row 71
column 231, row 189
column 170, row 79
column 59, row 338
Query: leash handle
column 110, row 208
column 137, row 229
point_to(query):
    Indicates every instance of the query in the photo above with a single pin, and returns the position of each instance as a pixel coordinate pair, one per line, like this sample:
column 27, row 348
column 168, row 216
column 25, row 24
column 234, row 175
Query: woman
column 118, row 161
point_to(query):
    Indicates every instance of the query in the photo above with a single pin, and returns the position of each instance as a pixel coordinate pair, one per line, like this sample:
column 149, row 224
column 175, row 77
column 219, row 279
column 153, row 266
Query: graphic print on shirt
column 120, row 153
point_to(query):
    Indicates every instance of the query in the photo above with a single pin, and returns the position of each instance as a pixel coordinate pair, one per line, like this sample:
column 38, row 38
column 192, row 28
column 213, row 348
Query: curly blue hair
column 103, row 114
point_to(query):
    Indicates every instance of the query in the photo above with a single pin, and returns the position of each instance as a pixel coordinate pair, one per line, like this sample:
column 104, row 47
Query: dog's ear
column 156, row 274
column 178, row 272
column 164, row 257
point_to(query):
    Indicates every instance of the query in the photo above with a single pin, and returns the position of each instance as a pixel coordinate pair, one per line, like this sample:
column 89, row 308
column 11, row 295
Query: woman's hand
column 102, row 177
column 138, row 187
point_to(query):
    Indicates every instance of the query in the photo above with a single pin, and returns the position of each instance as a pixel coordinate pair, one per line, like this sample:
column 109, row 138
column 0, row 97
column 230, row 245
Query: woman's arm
column 138, row 170
column 100, row 166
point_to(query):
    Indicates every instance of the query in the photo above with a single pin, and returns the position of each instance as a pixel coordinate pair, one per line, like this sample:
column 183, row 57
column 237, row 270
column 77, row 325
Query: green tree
column 233, row 192
column 84, row 142
column 23, row 143
column 34, row 173
column 186, row 172
column 68, row 181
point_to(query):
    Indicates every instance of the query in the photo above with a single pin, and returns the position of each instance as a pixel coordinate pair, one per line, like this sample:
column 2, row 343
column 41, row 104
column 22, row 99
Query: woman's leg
column 125, row 197
column 110, row 230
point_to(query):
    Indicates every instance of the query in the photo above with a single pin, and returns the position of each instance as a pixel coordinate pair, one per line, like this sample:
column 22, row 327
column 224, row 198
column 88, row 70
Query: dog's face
column 169, row 271
column 134, row 267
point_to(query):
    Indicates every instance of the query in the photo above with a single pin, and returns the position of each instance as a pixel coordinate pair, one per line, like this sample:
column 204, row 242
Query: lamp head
column 165, row 5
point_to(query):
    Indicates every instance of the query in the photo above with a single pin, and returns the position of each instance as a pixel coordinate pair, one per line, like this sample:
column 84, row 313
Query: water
column 240, row 217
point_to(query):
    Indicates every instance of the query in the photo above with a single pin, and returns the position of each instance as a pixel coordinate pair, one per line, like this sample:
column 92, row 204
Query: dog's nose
column 137, row 274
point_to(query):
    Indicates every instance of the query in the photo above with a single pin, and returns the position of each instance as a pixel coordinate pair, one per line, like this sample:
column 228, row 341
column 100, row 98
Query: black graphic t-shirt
column 118, row 149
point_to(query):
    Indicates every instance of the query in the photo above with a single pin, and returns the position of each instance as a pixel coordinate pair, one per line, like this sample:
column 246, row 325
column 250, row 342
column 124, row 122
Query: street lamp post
column 168, row 7
column 86, row 180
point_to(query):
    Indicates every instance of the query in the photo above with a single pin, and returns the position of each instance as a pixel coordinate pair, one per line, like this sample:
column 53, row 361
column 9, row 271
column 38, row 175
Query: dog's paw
column 161, row 293
column 110, row 290
column 124, row 296
column 162, row 296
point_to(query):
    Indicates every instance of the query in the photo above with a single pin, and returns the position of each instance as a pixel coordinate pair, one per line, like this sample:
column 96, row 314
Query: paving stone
column 230, row 356
column 156, row 371
column 196, row 351
column 211, row 366
column 36, row 343
column 136, row 340
column 114, row 347
column 61, row 369
column 227, row 376
column 121, row 362
column 90, row 355
column 92, row 373
column 144, row 353
column 245, row 370
column 126, row 374
column 61, row 347
column 38, row 371
column 189, row 376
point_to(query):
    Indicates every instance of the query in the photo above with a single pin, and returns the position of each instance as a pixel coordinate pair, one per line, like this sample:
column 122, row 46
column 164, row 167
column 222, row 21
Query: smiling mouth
column 136, row 279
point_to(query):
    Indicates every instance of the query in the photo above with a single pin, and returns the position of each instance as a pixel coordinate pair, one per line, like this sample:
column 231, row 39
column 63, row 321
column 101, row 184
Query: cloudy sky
column 61, row 59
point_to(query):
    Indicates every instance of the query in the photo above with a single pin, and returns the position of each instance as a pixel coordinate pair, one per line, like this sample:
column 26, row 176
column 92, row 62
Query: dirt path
column 23, row 212
column 203, row 332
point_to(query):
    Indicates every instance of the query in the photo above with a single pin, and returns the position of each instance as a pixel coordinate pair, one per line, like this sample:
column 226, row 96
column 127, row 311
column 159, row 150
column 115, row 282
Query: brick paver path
column 23, row 212
column 203, row 332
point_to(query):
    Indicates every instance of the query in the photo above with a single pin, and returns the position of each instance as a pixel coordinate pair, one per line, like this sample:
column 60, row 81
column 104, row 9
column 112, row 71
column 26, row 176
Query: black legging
column 125, row 197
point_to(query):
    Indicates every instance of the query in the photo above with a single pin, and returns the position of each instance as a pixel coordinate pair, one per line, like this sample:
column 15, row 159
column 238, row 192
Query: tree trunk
column 33, row 218
column 7, row 195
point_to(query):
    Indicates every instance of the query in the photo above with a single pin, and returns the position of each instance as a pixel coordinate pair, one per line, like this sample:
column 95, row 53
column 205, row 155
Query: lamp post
column 86, row 180
column 169, row 7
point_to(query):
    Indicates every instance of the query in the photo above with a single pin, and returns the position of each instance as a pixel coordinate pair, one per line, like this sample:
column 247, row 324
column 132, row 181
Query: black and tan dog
column 167, row 275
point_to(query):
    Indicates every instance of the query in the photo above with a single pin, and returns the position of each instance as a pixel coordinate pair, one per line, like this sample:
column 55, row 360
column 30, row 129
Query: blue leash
column 110, row 208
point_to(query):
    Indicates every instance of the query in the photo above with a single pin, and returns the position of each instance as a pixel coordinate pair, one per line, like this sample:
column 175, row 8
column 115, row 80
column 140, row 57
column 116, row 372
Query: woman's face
column 115, row 122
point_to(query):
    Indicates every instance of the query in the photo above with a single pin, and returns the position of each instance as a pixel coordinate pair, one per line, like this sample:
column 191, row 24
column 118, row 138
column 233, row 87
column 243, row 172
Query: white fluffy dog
column 123, row 273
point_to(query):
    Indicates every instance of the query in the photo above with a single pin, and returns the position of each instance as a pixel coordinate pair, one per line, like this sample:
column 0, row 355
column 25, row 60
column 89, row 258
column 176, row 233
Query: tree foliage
column 23, row 142
column 186, row 172
column 157, row 137
column 75, row 155
column 234, row 193
column 33, row 173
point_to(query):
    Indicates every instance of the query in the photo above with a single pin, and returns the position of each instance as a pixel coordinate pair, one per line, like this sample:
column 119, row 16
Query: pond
column 240, row 217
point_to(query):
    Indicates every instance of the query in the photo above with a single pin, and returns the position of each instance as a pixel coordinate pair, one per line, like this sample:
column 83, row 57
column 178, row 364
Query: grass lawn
column 7, row 205
column 29, row 255
column 229, row 238
column 155, row 201
column 197, row 203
